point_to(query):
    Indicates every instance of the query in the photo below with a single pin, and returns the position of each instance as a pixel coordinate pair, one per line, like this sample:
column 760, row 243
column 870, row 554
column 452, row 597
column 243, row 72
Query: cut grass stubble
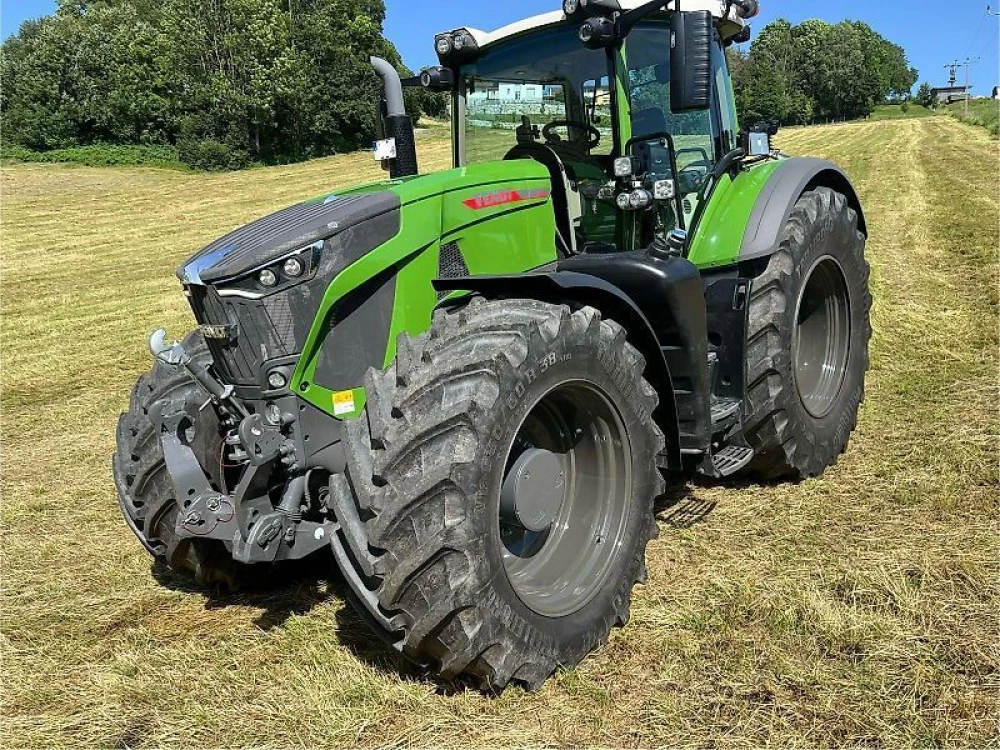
column 856, row 608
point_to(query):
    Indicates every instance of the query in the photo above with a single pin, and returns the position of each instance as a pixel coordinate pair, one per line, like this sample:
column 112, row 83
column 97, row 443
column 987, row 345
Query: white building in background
column 508, row 92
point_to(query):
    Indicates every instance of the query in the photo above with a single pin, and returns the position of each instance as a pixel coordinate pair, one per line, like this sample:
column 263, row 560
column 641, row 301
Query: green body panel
column 720, row 231
column 501, row 216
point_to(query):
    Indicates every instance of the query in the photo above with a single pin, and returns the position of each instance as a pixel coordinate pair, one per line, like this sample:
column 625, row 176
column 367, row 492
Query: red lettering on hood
column 504, row 197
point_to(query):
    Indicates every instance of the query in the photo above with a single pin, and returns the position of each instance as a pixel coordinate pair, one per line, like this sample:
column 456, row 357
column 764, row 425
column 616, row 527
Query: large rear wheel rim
column 557, row 571
column 822, row 338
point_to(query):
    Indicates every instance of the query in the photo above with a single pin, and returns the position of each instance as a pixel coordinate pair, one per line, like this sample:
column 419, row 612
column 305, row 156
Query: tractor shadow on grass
column 291, row 589
column 296, row 589
column 680, row 507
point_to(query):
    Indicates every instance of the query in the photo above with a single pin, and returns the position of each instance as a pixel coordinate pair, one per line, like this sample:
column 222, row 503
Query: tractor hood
column 283, row 233
column 347, row 217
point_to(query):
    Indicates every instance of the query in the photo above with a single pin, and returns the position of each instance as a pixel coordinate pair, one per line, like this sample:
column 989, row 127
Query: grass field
column 860, row 608
column 895, row 112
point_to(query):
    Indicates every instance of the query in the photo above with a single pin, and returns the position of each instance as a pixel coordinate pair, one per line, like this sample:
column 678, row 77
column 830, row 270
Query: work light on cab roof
column 466, row 387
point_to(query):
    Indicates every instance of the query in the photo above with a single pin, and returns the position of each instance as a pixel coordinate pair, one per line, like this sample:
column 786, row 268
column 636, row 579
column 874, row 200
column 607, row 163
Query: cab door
column 682, row 146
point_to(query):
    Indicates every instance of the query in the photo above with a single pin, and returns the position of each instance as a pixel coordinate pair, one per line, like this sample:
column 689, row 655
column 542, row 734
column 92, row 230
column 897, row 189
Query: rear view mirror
column 757, row 139
column 691, row 60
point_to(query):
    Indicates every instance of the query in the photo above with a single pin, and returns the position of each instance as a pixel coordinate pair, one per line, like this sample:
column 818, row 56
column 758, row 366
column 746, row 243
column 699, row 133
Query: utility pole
column 954, row 66
column 968, row 62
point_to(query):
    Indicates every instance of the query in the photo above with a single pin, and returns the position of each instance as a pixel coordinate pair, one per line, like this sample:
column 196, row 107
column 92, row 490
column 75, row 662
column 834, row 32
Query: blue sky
column 933, row 33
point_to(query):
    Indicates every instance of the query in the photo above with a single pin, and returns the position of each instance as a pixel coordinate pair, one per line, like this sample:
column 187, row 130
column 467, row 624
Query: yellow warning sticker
column 343, row 403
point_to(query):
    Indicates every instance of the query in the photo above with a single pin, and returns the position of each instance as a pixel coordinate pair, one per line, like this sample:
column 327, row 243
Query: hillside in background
column 982, row 112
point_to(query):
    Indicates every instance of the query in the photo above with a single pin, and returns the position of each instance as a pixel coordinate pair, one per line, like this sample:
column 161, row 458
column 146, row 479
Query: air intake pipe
column 397, row 124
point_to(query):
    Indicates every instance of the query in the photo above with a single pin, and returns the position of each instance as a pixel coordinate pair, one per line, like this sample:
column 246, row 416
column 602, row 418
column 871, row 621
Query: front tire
column 807, row 341
column 420, row 505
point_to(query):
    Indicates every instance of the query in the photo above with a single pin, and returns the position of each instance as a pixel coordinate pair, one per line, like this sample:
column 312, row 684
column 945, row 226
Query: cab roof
column 729, row 25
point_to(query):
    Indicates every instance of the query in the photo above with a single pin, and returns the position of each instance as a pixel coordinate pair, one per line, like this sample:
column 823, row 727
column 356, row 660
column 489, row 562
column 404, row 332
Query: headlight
column 276, row 275
column 639, row 199
column 276, row 379
column 570, row 7
column 442, row 46
column 664, row 190
column 623, row 202
column 457, row 46
column 624, row 166
column 598, row 32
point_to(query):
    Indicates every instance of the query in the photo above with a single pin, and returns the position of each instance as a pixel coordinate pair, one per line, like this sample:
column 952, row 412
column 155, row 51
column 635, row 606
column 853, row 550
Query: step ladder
column 724, row 409
column 731, row 459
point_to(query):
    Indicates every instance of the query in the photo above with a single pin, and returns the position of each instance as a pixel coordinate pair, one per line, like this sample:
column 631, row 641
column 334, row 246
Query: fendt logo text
column 503, row 197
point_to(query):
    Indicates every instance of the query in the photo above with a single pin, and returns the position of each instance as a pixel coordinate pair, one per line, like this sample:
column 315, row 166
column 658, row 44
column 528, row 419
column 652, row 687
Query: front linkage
column 252, row 527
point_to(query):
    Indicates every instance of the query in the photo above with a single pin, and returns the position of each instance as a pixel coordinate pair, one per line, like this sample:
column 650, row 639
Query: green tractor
column 471, row 385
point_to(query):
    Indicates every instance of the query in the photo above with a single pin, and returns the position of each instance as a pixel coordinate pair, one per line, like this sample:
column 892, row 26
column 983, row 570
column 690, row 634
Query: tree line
column 818, row 72
column 226, row 82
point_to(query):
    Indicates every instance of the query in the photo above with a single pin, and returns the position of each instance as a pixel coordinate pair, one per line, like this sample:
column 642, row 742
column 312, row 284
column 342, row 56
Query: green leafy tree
column 229, row 82
column 818, row 71
column 925, row 96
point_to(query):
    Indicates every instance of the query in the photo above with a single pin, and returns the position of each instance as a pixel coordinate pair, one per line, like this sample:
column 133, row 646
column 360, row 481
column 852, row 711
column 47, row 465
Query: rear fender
column 786, row 185
column 747, row 212
column 578, row 289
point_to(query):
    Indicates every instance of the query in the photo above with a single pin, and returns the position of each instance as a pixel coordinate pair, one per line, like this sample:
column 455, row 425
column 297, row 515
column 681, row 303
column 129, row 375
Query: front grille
column 257, row 338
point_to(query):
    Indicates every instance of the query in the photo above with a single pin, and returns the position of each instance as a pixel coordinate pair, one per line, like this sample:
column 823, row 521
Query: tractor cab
column 628, row 105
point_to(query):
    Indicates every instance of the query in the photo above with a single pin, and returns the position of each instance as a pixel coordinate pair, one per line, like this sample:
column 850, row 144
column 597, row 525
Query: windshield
column 545, row 87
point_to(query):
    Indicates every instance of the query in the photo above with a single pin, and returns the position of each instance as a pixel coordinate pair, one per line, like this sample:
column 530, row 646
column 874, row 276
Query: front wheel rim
column 822, row 337
column 557, row 571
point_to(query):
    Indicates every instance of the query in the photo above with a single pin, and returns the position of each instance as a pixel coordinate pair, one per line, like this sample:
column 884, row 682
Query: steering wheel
column 551, row 137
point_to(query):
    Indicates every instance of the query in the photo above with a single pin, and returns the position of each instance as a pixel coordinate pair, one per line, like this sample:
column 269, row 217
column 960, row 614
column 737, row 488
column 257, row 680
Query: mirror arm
column 625, row 22
column 728, row 162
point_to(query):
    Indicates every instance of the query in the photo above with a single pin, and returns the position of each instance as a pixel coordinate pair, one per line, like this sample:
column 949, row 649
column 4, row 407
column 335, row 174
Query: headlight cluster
column 638, row 192
column 290, row 269
column 277, row 275
column 456, row 46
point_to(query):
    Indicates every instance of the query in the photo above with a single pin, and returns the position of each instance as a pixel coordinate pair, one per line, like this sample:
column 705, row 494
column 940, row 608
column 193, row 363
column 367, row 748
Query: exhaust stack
column 397, row 124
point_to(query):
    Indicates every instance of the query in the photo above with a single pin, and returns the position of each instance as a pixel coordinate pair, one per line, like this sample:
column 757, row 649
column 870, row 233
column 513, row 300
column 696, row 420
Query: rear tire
column 807, row 341
column 145, row 492
column 419, row 506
